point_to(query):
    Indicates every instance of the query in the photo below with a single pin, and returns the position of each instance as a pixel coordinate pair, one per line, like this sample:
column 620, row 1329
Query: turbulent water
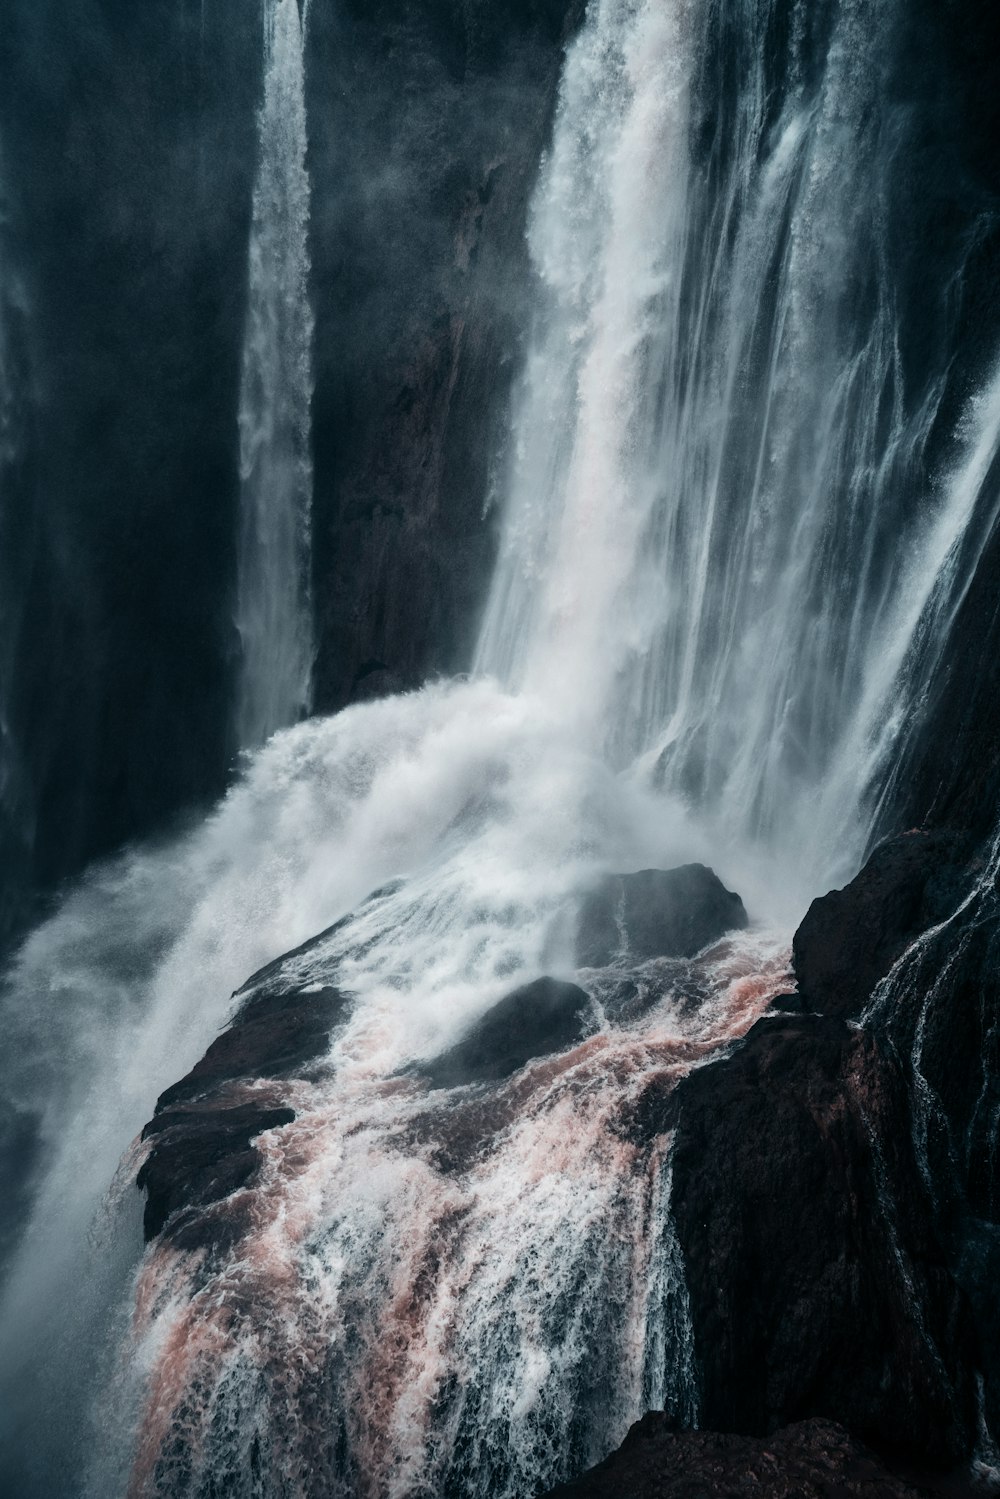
column 723, row 559
column 273, row 609
column 721, row 538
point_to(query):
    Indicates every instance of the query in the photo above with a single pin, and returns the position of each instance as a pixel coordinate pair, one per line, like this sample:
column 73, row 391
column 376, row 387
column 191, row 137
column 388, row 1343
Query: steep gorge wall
column 129, row 138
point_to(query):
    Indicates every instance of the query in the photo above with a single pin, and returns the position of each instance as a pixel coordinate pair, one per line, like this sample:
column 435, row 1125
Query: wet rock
column 656, row 913
column 850, row 938
column 198, row 1158
column 274, row 1034
column 809, row 1460
column 817, row 1284
column 940, row 1012
column 789, row 1004
column 202, row 1132
column 420, row 292
column 537, row 1020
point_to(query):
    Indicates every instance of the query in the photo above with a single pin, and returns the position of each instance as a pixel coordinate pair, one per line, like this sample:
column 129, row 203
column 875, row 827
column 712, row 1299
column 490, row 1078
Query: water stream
column 274, row 606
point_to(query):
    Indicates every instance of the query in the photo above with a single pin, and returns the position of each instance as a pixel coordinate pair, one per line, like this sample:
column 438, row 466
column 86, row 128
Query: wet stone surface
column 656, row 913
column 809, row 1460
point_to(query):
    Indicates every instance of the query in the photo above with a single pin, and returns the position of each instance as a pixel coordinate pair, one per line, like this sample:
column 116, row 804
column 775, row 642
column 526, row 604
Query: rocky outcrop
column 850, row 938
column 536, row 1020
column 833, row 1189
column 655, row 913
column 818, row 1286
column 201, row 1136
column 810, row 1460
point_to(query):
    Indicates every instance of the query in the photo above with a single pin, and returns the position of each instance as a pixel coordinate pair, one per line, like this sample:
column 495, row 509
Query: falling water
column 273, row 610
column 16, row 819
column 697, row 627
column 7, row 453
column 720, row 537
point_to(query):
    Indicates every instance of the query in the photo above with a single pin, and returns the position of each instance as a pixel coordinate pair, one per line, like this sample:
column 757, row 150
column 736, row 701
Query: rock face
column 536, row 1020
column 421, row 274
column 928, row 902
column 817, row 1284
column 426, row 122
column 656, row 913
column 835, row 1194
column 204, row 1126
column 810, row 1460
column 850, row 939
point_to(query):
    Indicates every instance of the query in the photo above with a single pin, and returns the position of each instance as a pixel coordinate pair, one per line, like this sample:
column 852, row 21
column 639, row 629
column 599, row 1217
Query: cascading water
column 7, row 453
column 273, row 609
column 699, row 643
column 720, row 538
column 16, row 819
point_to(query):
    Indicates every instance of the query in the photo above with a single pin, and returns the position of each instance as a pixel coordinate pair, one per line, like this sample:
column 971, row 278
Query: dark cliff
column 124, row 266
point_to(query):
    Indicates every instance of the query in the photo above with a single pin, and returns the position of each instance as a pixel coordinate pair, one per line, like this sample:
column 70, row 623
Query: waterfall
column 273, row 609
column 16, row 806
column 7, row 453
column 720, row 537
column 723, row 552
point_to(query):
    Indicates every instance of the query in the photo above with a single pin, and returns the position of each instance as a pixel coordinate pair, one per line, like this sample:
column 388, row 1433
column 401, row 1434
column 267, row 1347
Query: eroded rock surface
column 810, row 1460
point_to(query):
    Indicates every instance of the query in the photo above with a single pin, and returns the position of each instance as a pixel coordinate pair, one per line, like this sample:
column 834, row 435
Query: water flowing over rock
column 525, row 1124
column 850, row 939
column 509, row 1188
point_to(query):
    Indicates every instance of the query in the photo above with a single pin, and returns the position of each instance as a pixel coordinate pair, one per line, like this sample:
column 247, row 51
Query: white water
column 483, row 1324
column 697, row 630
column 493, row 818
column 7, row 444
column 15, row 802
column 273, row 608
column 719, row 541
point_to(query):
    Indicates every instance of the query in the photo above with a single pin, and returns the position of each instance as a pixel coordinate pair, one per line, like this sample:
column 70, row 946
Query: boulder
column 655, row 913
column 540, row 1018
